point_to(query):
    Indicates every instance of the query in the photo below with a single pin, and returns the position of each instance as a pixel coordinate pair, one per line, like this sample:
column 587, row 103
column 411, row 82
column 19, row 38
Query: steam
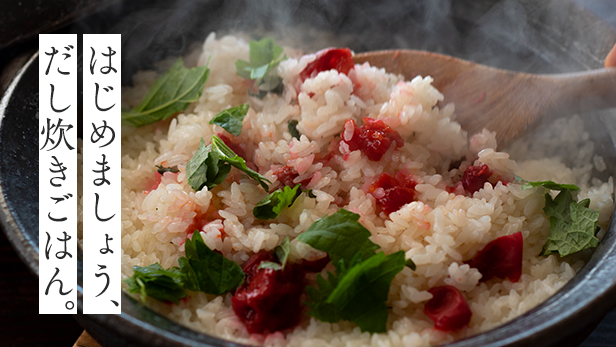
column 153, row 30
column 522, row 35
column 499, row 33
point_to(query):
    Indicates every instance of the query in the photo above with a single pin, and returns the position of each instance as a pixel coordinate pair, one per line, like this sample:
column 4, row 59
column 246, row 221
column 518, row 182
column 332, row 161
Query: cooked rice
column 439, row 231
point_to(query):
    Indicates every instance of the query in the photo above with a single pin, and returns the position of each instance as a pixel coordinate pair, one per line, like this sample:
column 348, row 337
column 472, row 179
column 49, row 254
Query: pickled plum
column 340, row 59
column 373, row 138
column 447, row 308
column 287, row 174
column 391, row 193
column 475, row 177
column 269, row 300
column 500, row 258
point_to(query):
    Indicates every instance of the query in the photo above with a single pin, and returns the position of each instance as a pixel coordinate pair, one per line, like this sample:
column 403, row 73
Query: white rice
column 439, row 231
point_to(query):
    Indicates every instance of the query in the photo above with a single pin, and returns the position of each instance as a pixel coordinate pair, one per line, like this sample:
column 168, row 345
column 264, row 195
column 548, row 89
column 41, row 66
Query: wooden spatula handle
column 585, row 91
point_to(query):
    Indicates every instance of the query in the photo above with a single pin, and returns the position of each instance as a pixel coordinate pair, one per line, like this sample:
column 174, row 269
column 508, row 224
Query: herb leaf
column 208, row 271
column 559, row 207
column 293, row 129
column 411, row 264
column 206, row 168
column 282, row 251
column 282, row 254
column 156, row 282
column 341, row 236
column 201, row 270
column 231, row 119
column 170, row 93
column 271, row 206
column 161, row 169
column 572, row 225
column 227, row 155
column 357, row 294
column 549, row 185
column 270, row 265
column 211, row 164
column 263, row 62
column 319, row 307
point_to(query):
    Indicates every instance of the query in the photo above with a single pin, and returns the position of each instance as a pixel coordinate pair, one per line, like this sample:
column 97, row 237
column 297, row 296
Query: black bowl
column 524, row 35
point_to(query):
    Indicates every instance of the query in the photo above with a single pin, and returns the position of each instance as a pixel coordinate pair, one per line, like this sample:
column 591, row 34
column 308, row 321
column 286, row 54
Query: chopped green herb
column 411, row 264
column 170, row 93
column 293, row 129
column 548, row 184
column 357, row 293
column 231, row 119
column 341, row 236
column 271, row 206
column 205, row 168
column 270, row 265
column 227, row 155
column 211, row 164
column 201, row 270
column 282, row 251
column 264, row 56
column 156, row 282
column 319, row 307
column 161, row 169
column 282, row 254
column 208, row 271
column 572, row 225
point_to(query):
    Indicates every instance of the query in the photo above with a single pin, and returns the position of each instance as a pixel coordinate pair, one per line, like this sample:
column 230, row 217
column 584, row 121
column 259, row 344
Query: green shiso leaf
column 162, row 169
column 293, row 129
column 157, row 283
column 282, row 251
column 227, row 155
column 572, row 225
column 200, row 270
column 548, row 184
column 318, row 305
column 170, row 93
column 271, row 206
column 270, row 265
column 211, row 164
column 231, row 119
column 341, row 236
column 263, row 57
column 207, row 271
column 358, row 293
column 282, row 254
column 205, row 168
column 411, row 264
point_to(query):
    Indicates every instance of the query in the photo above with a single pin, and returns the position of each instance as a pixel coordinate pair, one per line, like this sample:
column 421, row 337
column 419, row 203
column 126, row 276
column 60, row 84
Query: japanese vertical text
column 57, row 173
column 101, row 174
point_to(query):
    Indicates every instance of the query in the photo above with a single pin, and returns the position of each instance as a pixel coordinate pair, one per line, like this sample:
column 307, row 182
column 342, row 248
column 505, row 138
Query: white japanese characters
column 57, row 174
column 101, row 174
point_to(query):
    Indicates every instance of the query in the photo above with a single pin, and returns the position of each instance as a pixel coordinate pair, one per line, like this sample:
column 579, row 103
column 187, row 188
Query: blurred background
column 20, row 21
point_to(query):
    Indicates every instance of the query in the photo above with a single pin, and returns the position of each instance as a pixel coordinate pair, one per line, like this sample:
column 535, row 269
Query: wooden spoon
column 502, row 101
